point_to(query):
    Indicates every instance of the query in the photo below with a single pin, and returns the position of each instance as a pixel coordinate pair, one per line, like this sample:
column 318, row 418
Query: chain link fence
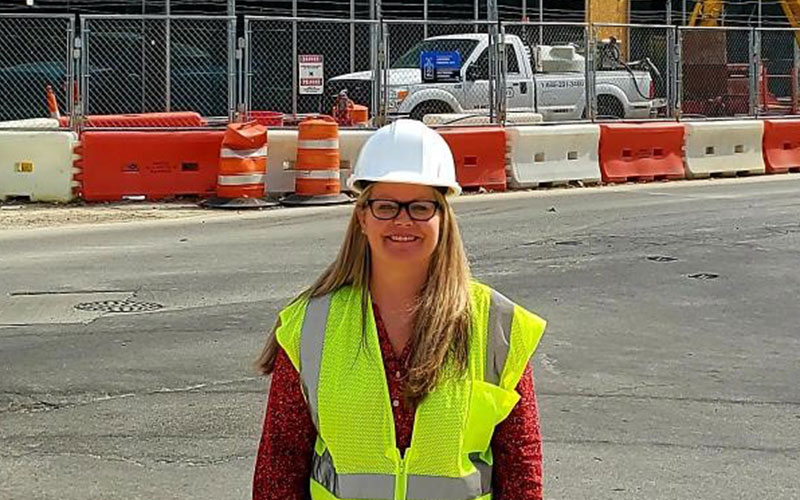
column 778, row 78
column 718, row 72
column 151, row 64
column 633, row 68
column 557, row 60
column 505, row 72
column 36, row 53
column 468, row 87
column 299, row 66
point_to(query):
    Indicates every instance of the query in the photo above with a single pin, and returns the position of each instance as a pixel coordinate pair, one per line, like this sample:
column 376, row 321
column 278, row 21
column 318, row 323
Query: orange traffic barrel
column 317, row 180
column 241, row 178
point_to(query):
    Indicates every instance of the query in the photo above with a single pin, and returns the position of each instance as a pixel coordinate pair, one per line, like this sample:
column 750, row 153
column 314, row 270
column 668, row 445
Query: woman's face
column 403, row 239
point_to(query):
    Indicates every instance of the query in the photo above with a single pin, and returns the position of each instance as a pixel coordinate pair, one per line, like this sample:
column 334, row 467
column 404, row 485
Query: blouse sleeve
column 283, row 464
column 517, row 448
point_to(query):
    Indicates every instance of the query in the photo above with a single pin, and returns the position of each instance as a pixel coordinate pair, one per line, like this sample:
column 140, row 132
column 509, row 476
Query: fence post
column 168, row 60
column 671, row 66
column 379, row 42
column 241, row 107
column 247, row 71
column 72, row 60
column 591, row 101
column 755, row 70
column 232, row 62
column 83, row 85
column 795, row 69
column 352, row 36
column 502, row 70
column 294, row 64
column 679, row 75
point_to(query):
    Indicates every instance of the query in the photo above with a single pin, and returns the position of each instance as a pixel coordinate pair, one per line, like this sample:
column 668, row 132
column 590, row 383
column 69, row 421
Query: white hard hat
column 407, row 152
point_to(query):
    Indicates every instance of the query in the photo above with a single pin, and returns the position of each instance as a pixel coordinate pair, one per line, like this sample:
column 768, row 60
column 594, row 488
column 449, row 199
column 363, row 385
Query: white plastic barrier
column 281, row 155
column 37, row 165
column 553, row 154
column 457, row 119
column 350, row 143
column 30, row 123
column 724, row 148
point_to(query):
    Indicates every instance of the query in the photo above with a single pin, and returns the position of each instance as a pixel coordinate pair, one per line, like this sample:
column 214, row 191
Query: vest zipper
column 401, row 481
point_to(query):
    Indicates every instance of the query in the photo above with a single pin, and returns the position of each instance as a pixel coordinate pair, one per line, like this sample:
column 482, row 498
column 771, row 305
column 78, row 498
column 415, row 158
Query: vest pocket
column 488, row 406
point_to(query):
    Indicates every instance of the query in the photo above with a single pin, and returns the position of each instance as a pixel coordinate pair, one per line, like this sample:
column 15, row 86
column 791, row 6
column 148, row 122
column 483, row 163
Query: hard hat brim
column 402, row 177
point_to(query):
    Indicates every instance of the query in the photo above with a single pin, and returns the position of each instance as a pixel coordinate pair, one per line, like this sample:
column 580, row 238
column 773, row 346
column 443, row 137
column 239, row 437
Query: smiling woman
column 396, row 375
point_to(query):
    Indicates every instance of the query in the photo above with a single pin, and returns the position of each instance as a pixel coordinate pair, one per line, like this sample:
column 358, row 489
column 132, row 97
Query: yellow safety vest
column 345, row 385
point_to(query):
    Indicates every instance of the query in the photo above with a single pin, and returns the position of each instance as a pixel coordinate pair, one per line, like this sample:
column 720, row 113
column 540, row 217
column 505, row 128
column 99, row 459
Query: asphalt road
column 653, row 384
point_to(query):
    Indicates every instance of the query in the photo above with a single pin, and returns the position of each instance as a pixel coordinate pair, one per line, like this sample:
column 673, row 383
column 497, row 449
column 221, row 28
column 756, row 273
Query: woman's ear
column 360, row 213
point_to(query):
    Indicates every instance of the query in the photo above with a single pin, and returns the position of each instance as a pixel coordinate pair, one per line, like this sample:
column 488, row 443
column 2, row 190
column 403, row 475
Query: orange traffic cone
column 52, row 103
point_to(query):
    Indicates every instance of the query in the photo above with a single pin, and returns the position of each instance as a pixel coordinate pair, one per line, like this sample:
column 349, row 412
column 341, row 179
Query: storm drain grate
column 118, row 306
column 704, row 276
column 661, row 258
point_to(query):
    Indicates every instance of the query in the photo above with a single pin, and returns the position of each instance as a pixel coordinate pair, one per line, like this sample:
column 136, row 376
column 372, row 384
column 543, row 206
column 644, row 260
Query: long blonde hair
column 442, row 314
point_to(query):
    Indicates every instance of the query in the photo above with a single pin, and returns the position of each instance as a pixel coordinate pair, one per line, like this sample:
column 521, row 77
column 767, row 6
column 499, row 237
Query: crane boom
column 708, row 13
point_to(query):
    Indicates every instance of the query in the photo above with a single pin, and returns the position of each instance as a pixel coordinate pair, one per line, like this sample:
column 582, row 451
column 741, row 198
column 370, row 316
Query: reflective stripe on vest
column 318, row 144
column 311, row 350
column 243, row 153
column 241, row 180
column 381, row 486
column 501, row 314
column 355, row 486
column 317, row 174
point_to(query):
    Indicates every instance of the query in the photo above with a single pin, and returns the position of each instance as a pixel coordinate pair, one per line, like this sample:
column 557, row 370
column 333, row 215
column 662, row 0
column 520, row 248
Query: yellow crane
column 708, row 12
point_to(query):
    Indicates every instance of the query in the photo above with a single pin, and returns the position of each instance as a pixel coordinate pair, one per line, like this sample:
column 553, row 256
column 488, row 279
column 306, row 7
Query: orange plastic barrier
column 268, row 118
column 243, row 161
column 641, row 151
column 317, row 167
column 152, row 165
column 176, row 119
column 480, row 156
column 782, row 146
column 360, row 114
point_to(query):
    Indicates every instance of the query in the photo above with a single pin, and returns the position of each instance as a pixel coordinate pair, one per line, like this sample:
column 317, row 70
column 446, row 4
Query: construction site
column 175, row 175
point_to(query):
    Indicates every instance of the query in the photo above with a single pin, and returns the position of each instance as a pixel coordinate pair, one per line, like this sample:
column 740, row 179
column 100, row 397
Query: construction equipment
column 710, row 13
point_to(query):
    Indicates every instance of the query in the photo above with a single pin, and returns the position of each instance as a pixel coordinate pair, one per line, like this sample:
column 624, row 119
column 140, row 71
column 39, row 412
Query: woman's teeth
column 402, row 238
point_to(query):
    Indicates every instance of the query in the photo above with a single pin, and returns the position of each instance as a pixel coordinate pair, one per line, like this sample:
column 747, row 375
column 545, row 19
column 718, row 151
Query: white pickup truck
column 550, row 81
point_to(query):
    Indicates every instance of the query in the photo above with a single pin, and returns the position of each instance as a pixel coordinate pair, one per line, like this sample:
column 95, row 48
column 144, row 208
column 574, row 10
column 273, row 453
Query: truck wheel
column 429, row 107
column 609, row 106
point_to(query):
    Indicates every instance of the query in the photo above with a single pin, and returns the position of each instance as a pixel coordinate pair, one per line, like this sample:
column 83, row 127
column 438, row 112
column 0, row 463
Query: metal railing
column 297, row 66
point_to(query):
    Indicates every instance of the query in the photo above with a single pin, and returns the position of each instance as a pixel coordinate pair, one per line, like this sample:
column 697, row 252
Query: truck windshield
column 411, row 58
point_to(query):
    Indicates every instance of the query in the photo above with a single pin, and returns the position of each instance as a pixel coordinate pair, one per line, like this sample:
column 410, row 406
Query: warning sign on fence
column 311, row 71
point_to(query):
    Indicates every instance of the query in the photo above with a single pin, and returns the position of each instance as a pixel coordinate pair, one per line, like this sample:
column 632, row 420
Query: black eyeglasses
column 418, row 210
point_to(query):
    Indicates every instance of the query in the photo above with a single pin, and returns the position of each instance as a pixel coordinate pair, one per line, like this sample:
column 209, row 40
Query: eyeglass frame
column 403, row 205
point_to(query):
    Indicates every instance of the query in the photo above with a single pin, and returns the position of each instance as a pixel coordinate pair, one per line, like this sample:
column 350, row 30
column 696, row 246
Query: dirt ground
column 16, row 215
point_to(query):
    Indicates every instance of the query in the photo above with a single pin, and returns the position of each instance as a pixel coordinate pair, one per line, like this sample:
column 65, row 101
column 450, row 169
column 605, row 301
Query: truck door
column 476, row 83
column 519, row 83
column 519, row 91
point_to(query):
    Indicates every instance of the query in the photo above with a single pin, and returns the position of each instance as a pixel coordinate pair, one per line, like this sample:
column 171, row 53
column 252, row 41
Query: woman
column 395, row 375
